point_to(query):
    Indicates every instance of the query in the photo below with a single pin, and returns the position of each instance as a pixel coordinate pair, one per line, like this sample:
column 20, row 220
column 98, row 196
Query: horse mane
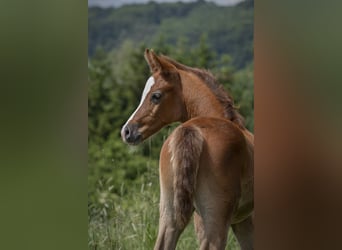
column 231, row 112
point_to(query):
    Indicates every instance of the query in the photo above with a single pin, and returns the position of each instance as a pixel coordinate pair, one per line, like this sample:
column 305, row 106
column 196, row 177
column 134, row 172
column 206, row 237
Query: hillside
column 229, row 29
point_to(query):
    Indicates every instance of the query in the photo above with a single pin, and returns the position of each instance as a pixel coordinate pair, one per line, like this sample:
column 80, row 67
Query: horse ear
column 158, row 63
column 150, row 59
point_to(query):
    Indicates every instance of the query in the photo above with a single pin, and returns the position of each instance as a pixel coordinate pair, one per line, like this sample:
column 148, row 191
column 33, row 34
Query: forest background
column 123, row 184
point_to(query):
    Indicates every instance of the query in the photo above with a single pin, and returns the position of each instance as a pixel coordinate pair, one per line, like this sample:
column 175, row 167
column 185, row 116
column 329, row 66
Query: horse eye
column 155, row 98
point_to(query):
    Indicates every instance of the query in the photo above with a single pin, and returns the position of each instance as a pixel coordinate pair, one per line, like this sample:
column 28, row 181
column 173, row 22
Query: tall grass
column 129, row 220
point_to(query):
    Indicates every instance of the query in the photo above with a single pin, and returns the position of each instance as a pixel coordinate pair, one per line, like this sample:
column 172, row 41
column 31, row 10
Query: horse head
column 161, row 102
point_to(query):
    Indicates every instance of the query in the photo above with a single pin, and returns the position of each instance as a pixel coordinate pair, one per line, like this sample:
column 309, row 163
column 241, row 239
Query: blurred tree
column 230, row 28
column 202, row 54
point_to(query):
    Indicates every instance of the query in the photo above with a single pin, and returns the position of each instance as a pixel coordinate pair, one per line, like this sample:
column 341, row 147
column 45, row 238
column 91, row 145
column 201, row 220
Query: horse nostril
column 127, row 132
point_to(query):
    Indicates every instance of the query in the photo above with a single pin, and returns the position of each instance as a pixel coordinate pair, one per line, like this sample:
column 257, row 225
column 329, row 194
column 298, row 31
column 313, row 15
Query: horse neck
column 199, row 99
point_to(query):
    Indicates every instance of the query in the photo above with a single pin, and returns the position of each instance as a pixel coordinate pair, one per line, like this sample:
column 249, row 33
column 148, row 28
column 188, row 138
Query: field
column 133, row 220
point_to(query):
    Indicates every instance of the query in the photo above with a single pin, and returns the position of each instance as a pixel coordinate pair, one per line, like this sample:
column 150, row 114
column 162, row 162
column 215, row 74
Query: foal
column 206, row 164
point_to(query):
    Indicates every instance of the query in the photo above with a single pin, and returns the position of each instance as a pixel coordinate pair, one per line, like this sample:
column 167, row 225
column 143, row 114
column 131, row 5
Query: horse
column 206, row 164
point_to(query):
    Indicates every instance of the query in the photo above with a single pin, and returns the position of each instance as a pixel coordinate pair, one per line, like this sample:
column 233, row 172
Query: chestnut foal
column 206, row 164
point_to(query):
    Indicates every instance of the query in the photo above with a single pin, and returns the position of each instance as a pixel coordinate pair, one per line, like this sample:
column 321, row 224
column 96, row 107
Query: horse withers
column 206, row 164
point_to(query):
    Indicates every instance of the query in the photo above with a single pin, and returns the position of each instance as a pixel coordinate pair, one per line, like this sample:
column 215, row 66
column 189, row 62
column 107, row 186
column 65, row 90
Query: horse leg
column 244, row 233
column 212, row 221
column 215, row 201
column 169, row 230
column 211, row 232
column 199, row 229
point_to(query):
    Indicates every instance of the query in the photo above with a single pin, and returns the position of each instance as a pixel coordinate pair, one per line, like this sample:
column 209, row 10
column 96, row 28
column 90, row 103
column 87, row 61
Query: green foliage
column 230, row 28
column 242, row 89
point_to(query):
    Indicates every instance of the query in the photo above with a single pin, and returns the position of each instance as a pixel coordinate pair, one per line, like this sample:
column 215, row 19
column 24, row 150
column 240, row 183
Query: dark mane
column 222, row 96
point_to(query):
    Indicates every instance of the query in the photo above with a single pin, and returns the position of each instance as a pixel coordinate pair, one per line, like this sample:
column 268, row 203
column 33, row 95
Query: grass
column 130, row 220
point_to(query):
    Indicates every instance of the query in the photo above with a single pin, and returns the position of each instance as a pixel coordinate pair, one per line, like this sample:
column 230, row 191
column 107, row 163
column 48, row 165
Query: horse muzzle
column 130, row 134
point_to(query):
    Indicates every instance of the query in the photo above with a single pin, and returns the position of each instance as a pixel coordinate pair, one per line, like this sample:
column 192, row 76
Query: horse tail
column 185, row 148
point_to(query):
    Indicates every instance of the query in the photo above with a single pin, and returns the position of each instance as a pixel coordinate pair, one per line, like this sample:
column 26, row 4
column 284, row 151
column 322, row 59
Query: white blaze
column 147, row 89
